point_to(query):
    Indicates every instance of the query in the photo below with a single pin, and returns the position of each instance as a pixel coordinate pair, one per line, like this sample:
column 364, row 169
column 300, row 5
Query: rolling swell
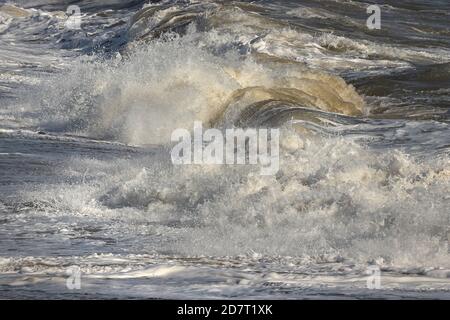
column 201, row 51
column 364, row 173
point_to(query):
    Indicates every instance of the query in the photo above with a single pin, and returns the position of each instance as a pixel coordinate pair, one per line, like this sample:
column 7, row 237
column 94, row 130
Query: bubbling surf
column 351, row 126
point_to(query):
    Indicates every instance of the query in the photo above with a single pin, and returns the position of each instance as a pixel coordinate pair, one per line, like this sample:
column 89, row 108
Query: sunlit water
column 86, row 177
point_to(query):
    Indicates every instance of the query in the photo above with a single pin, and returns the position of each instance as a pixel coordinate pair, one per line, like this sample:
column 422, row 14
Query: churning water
column 86, row 180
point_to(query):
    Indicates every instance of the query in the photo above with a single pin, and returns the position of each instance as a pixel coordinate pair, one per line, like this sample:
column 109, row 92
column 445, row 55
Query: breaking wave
column 364, row 159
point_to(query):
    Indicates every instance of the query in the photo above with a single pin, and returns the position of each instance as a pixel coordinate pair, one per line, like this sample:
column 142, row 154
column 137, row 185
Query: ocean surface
column 86, row 179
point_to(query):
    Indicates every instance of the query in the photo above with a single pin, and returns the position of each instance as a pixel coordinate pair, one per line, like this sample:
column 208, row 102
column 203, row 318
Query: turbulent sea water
column 86, row 178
